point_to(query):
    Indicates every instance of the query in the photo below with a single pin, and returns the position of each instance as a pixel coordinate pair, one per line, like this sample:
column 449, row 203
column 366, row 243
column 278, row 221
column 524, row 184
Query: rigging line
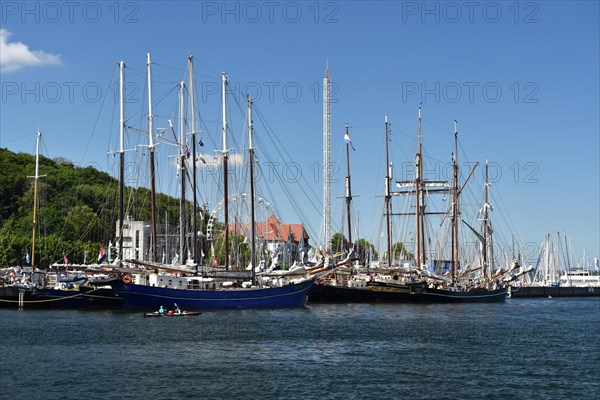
column 299, row 210
column 112, row 79
column 366, row 125
column 397, row 143
column 291, row 198
column 272, row 135
column 285, row 188
column 437, row 127
column 216, row 76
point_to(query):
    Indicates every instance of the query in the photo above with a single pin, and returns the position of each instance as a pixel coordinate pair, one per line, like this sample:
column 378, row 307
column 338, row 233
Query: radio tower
column 326, row 163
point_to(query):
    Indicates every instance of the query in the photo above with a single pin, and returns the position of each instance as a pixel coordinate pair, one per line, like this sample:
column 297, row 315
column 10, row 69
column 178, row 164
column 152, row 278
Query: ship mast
column 488, row 255
column 182, row 171
column 194, row 182
column 35, row 190
column 121, row 159
column 388, row 195
column 326, row 163
column 419, row 231
column 152, row 173
column 225, row 183
column 348, row 194
column 455, row 208
column 252, row 217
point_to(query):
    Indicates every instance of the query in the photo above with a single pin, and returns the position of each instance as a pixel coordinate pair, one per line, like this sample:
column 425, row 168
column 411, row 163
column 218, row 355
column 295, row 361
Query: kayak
column 172, row 314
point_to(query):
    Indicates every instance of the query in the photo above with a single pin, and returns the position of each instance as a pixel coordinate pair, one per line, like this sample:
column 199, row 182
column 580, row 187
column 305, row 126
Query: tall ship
column 190, row 284
column 421, row 278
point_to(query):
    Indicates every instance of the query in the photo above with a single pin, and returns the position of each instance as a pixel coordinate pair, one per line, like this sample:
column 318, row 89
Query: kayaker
column 161, row 310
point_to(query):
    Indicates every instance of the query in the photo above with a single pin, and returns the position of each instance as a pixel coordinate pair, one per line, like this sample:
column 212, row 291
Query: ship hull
column 151, row 297
column 95, row 297
column 554, row 291
column 401, row 294
column 320, row 293
column 58, row 298
column 40, row 298
column 429, row 295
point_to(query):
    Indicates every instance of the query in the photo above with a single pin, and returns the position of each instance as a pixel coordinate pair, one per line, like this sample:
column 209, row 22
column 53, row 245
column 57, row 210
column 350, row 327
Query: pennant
column 65, row 260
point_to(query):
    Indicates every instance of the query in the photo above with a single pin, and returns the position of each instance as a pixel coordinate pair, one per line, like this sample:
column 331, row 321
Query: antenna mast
column 326, row 163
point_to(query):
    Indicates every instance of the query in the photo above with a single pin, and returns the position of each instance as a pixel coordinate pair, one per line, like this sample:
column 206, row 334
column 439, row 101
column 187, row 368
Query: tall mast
column 193, row 127
column 182, row 171
column 252, row 217
column 348, row 193
column 225, row 172
column 121, row 158
column 419, row 235
column 487, row 231
column 455, row 207
column 326, row 163
column 151, row 148
column 388, row 195
column 35, row 190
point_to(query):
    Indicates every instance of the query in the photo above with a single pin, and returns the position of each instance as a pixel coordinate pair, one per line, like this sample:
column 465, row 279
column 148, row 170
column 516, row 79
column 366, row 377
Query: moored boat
column 142, row 296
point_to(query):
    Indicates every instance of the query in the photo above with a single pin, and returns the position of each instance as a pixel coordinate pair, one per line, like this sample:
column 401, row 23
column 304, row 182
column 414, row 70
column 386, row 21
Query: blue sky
column 522, row 79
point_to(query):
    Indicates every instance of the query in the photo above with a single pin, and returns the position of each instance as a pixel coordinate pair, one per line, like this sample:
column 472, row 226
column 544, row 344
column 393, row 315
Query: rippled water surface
column 525, row 348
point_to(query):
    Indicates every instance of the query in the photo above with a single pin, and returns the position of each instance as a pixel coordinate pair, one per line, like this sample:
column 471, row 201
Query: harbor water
column 524, row 348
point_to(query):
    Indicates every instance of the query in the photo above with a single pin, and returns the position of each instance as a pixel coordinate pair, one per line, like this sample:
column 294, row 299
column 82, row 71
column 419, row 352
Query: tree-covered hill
column 77, row 209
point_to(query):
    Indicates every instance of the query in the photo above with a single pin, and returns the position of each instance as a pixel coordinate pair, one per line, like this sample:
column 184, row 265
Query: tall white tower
column 326, row 163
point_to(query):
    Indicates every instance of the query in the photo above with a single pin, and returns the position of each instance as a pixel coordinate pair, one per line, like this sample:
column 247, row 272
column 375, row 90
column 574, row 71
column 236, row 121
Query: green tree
column 364, row 250
column 339, row 243
column 399, row 252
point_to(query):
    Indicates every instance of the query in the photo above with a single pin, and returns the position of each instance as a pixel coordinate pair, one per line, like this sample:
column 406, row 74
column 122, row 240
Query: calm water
column 525, row 348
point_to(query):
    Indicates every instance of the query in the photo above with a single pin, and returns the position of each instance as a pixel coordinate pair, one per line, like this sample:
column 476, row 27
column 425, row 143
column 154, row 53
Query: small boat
column 172, row 314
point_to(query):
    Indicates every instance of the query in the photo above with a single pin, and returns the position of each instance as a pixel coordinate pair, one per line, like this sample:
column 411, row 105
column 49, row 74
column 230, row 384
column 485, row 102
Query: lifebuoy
column 126, row 279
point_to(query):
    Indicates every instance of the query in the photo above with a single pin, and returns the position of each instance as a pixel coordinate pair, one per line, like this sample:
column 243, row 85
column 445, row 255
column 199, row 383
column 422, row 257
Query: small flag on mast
column 101, row 255
column 348, row 141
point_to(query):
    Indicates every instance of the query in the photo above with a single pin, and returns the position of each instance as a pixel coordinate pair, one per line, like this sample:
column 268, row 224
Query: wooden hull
column 401, row 294
column 151, row 297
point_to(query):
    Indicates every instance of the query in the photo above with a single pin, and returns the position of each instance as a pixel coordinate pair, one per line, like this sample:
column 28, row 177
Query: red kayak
column 172, row 314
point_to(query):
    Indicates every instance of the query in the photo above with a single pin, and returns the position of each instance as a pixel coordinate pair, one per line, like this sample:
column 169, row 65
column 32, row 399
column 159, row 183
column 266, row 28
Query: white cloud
column 16, row 55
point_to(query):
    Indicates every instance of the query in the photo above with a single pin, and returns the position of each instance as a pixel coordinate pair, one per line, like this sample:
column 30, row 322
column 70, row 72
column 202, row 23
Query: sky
column 521, row 79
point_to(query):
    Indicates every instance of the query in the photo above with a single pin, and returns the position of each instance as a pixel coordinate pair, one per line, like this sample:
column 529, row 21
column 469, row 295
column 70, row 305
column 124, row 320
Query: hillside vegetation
column 77, row 209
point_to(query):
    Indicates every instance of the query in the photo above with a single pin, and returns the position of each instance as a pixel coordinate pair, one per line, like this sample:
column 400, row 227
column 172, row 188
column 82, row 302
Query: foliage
column 77, row 209
column 399, row 252
column 365, row 250
column 239, row 251
column 339, row 243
